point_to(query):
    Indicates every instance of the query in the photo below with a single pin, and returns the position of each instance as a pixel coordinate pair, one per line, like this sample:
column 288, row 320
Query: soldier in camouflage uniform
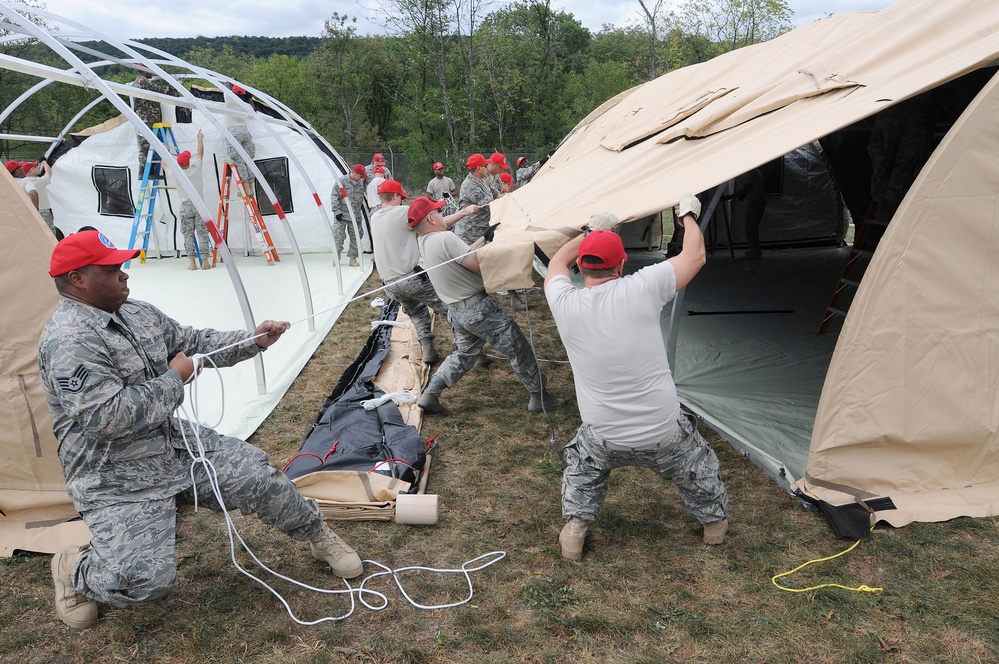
column 149, row 111
column 234, row 97
column 526, row 170
column 113, row 371
column 624, row 386
column 354, row 188
column 497, row 164
column 474, row 190
column 397, row 257
column 474, row 316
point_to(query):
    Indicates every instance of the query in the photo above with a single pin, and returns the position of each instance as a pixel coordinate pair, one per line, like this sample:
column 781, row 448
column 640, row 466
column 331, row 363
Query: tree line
column 447, row 77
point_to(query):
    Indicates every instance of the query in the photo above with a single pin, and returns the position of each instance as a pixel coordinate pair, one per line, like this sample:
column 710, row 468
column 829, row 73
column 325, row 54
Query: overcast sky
column 130, row 19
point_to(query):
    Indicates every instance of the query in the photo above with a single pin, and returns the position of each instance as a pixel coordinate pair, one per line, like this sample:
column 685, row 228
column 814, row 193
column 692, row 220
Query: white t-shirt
column 452, row 282
column 40, row 185
column 394, row 244
column 371, row 194
column 612, row 334
column 439, row 186
column 193, row 173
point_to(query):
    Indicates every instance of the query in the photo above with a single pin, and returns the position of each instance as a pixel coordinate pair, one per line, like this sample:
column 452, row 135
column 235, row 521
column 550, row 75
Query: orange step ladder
column 231, row 176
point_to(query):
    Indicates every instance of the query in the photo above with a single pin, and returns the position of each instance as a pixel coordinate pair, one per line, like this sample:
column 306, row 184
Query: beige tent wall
column 699, row 126
column 33, row 497
column 910, row 406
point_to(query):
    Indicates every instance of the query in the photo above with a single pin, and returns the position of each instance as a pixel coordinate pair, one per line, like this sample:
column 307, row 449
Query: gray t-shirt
column 394, row 244
column 452, row 282
column 439, row 186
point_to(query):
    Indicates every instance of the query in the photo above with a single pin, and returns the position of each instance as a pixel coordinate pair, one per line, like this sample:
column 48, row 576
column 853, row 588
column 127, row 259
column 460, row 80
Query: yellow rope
column 860, row 589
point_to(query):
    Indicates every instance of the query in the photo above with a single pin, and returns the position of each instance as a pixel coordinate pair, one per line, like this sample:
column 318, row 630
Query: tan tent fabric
column 762, row 102
column 35, row 510
column 910, row 406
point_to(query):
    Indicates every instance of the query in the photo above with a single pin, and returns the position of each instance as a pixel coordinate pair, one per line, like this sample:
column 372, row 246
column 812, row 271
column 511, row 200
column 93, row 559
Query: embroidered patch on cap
column 106, row 242
column 74, row 383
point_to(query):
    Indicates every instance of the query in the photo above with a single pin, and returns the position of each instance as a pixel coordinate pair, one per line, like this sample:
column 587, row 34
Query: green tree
column 731, row 24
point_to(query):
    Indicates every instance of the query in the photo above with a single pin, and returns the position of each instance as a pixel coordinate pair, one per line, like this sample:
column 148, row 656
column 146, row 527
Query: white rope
column 196, row 450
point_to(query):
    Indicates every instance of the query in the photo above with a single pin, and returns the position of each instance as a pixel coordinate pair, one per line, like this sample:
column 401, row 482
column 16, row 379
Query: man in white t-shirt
column 371, row 193
column 397, row 258
column 191, row 224
column 442, row 187
column 37, row 178
column 624, row 386
column 474, row 316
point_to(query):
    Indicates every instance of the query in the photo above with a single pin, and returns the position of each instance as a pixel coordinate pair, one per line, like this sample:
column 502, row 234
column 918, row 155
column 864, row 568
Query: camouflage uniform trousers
column 484, row 321
column 472, row 227
column 49, row 219
column 191, row 224
column 684, row 458
column 417, row 296
column 133, row 560
column 345, row 228
column 242, row 135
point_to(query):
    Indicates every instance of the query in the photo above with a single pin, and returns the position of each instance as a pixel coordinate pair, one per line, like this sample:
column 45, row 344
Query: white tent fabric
column 75, row 201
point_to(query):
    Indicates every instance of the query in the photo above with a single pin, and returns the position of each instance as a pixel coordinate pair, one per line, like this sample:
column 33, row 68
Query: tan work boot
column 430, row 399
column 328, row 546
column 714, row 532
column 354, row 263
column 430, row 355
column 571, row 538
column 76, row 610
column 544, row 401
column 206, row 263
column 192, row 264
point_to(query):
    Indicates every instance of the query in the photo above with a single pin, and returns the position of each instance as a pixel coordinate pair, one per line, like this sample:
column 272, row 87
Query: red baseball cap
column 86, row 248
column 12, row 165
column 184, row 158
column 506, row 177
column 604, row 249
column 521, row 161
column 438, row 166
column 500, row 159
column 359, row 169
column 378, row 170
column 475, row 161
column 379, row 158
column 391, row 187
column 421, row 207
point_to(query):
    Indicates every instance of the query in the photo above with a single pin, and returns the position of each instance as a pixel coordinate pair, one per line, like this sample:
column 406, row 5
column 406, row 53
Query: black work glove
column 490, row 233
column 546, row 158
column 339, row 217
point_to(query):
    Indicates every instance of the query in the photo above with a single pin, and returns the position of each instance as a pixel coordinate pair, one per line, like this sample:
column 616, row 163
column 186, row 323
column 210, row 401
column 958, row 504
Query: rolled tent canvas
column 35, row 510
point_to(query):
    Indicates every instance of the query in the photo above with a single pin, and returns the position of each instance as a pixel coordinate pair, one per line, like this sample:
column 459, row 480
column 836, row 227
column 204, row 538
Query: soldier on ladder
column 190, row 220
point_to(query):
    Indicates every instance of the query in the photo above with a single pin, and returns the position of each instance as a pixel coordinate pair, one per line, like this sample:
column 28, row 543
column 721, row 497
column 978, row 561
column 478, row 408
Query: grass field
column 647, row 590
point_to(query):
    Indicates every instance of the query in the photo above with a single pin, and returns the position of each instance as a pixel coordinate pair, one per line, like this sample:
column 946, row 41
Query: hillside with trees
column 449, row 78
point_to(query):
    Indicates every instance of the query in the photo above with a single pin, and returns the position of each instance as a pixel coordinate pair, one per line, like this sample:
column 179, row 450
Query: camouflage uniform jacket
column 356, row 190
column 473, row 192
column 147, row 109
column 112, row 397
column 525, row 174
